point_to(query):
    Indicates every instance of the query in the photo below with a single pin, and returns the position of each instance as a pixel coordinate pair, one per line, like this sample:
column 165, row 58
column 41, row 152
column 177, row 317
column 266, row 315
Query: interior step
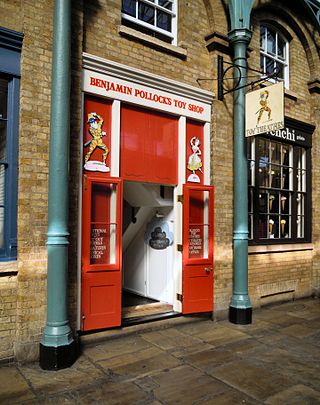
column 146, row 309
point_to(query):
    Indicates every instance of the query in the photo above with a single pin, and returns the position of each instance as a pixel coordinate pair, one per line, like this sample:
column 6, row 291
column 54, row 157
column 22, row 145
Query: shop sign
column 112, row 87
column 265, row 110
column 291, row 134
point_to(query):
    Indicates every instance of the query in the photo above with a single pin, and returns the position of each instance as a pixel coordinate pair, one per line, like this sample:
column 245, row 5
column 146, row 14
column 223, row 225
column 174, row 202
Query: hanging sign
column 265, row 110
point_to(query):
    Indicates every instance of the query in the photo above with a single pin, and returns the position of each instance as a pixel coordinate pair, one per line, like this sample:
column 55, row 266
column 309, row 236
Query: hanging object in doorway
column 194, row 161
column 95, row 122
column 158, row 234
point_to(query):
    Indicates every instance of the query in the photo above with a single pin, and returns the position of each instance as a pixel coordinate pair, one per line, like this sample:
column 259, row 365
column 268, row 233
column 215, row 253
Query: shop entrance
column 147, row 250
column 147, row 214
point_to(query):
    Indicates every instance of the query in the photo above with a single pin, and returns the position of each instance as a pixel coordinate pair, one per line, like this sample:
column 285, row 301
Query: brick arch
column 210, row 10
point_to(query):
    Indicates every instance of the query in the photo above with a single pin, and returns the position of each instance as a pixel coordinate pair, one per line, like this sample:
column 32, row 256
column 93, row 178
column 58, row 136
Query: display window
column 279, row 194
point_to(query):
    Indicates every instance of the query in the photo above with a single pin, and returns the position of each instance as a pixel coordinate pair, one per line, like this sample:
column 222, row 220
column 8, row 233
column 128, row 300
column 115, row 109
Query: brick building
column 145, row 76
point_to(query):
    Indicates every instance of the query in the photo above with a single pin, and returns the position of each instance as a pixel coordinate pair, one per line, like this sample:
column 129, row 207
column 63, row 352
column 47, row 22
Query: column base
column 57, row 358
column 240, row 316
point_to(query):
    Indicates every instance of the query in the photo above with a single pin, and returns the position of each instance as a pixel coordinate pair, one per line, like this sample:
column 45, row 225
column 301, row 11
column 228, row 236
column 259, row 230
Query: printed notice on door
column 195, row 242
column 99, row 244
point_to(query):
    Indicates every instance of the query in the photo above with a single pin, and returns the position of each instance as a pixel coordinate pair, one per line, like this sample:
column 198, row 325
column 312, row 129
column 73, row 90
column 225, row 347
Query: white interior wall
column 148, row 271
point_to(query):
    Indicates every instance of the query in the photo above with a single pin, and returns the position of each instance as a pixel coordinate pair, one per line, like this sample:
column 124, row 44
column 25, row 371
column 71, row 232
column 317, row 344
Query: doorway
column 147, row 250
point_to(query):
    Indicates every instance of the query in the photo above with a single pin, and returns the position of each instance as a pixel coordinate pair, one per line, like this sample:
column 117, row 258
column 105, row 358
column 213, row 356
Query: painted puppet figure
column 194, row 161
column 264, row 105
column 95, row 122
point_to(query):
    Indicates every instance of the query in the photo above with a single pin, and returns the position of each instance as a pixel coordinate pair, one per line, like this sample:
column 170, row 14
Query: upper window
column 153, row 17
column 274, row 53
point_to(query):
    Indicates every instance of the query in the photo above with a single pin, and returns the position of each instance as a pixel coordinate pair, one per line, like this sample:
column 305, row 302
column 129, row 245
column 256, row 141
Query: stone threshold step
column 173, row 319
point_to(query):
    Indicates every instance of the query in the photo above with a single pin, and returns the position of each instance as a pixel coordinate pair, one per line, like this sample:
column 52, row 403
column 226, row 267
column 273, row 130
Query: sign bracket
column 222, row 76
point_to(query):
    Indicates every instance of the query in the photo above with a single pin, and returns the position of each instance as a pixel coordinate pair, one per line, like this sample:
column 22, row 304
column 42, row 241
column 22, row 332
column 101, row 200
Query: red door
column 197, row 256
column 101, row 252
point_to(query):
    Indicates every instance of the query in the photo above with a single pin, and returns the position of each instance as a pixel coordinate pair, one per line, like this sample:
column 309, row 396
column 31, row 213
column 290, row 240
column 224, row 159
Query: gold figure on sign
column 264, row 95
column 95, row 122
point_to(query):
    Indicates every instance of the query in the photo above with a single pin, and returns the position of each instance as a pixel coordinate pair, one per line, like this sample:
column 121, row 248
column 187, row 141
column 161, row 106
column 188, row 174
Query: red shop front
column 147, row 206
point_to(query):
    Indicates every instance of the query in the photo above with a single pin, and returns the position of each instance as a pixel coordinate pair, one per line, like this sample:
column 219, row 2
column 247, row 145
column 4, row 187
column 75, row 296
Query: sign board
column 135, row 93
column 265, row 110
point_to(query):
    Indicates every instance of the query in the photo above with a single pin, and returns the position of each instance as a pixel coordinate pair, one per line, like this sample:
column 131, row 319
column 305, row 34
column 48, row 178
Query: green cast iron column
column 57, row 347
column 240, row 310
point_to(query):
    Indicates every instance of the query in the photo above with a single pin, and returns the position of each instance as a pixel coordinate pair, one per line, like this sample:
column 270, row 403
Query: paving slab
column 208, row 360
column 186, row 385
column 171, row 339
column 299, row 331
column 14, row 387
column 251, row 379
column 46, row 383
column 140, row 364
column 109, row 349
column 296, row 395
column 112, row 394
column 220, row 335
column 231, row 397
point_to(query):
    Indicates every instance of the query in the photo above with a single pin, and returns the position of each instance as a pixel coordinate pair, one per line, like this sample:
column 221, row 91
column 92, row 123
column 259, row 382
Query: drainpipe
column 240, row 310
column 57, row 347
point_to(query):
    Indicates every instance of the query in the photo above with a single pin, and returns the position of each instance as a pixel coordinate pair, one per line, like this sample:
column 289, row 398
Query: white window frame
column 264, row 53
column 155, row 4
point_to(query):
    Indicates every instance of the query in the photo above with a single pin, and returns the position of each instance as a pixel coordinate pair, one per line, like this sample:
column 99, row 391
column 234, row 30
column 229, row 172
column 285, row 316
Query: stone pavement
column 276, row 360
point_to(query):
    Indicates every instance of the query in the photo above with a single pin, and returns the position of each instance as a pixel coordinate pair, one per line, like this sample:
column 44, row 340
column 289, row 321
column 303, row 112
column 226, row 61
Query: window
column 153, row 17
column 274, row 53
column 9, row 119
column 279, row 191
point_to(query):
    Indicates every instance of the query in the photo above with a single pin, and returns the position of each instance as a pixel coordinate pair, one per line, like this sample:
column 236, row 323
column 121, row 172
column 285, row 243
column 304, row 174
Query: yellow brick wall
column 25, row 294
column 8, row 314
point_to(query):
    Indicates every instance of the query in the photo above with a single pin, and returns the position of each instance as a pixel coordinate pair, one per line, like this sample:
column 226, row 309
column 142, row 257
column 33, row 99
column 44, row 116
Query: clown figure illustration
column 194, row 161
column 264, row 95
column 95, row 122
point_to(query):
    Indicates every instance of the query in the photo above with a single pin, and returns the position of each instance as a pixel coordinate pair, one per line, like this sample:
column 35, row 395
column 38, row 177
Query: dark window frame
column 308, row 193
column 10, row 52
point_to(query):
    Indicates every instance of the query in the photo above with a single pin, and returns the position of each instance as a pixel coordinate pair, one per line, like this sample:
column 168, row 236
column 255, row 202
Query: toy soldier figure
column 95, row 129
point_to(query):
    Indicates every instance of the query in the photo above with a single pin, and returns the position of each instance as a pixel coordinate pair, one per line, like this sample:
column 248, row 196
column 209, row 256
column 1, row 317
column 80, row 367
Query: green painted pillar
column 57, row 347
column 240, row 310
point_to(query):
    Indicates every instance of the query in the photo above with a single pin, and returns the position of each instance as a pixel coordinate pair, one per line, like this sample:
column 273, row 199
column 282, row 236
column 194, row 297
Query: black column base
column 57, row 358
column 240, row 316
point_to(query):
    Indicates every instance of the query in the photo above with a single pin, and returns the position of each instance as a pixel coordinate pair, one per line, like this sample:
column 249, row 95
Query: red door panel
column 198, row 289
column 101, row 252
column 197, row 256
column 101, row 300
column 149, row 146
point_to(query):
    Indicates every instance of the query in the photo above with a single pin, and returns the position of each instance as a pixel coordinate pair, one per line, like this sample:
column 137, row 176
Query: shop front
column 147, row 203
